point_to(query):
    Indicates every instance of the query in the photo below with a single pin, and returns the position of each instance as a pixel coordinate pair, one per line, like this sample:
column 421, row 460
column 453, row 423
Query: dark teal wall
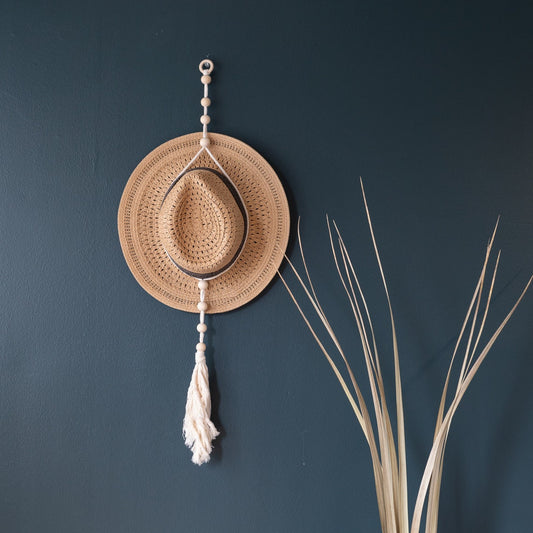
column 432, row 104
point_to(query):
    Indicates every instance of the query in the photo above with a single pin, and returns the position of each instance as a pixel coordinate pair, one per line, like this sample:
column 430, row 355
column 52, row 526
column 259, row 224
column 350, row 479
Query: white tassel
column 198, row 430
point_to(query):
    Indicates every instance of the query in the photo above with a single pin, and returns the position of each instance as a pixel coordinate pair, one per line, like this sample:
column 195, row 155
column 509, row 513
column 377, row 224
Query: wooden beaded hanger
column 203, row 224
column 198, row 429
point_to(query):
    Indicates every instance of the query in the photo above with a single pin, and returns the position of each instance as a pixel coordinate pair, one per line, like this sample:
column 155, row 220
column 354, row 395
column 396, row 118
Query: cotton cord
column 198, row 430
column 206, row 67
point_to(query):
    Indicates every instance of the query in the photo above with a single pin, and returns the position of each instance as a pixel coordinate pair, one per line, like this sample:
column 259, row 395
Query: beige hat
column 203, row 207
column 179, row 223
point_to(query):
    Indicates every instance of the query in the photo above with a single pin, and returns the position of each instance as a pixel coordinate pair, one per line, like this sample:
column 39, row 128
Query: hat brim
column 268, row 234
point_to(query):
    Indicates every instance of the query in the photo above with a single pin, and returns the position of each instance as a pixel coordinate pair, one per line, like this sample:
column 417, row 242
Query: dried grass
column 387, row 451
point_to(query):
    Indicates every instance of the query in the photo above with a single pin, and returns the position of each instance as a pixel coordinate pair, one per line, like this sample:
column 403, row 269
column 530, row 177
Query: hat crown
column 202, row 223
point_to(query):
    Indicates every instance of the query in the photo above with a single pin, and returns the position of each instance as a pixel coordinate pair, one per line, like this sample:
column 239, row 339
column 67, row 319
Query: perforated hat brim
column 268, row 223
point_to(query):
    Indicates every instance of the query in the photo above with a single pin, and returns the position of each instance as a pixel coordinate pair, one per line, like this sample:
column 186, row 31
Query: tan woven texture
column 146, row 228
column 200, row 224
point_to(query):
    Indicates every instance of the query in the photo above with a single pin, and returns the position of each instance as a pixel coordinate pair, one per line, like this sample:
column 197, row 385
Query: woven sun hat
column 203, row 223
column 178, row 225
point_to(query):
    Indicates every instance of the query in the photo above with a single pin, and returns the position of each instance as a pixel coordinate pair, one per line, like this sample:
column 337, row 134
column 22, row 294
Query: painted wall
column 431, row 104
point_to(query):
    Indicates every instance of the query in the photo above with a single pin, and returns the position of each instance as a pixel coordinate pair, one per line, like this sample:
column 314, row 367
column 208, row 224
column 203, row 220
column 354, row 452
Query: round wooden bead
column 204, row 141
column 205, row 119
column 200, row 347
column 201, row 328
column 202, row 306
column 206, row 102
column 202, row 284
column 206, row 80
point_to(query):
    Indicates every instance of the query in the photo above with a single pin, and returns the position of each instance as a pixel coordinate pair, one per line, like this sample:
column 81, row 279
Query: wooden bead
column 202, row 284
column 206, row 80
column 201, row 327
column 206, row 102
column 202, row 306
column 204, row 141
column 200, row 347
column 205, row 119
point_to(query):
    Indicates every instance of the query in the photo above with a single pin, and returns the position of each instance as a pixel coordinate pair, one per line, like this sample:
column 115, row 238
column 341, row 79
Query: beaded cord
column 202, row 326
column 198, row 429
column 206, row 67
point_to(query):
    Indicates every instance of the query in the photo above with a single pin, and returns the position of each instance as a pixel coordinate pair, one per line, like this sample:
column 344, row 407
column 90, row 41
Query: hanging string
column 206, row 67
column 198, row 430
column 202, row 306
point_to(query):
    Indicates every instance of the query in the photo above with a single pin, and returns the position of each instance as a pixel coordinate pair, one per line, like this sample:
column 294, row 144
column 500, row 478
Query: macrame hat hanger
column 203, row 224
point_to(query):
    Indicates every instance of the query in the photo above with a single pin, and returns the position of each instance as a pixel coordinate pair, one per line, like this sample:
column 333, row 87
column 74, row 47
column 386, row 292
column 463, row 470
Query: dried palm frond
column 387, row 451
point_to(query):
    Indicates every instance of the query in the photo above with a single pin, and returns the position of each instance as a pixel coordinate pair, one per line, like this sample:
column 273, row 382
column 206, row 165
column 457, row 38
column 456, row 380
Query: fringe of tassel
column 198, row 430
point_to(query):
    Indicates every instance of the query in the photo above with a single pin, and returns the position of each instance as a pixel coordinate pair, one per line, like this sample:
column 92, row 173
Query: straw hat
column 176, row 227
